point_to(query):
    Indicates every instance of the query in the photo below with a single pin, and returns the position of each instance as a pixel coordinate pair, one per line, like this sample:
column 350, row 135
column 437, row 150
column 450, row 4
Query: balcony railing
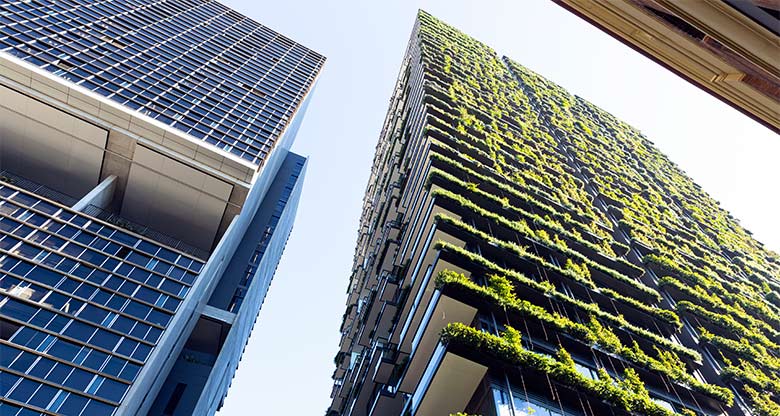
column 145, row 231
column 36, row 188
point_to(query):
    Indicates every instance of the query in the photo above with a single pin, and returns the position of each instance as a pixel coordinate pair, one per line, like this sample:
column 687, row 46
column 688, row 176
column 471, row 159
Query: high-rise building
column 729, row 48
column 147, row 192
column 523, row 252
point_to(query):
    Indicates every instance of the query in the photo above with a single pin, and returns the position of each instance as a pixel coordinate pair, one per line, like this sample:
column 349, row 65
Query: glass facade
column 195, row 65
column 257, row 255
column 203, row 371
column 82, row 305
column 520, row 404
column 96, row 319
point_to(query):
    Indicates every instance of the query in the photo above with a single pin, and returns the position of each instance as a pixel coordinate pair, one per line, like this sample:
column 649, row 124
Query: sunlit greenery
column 536, row 174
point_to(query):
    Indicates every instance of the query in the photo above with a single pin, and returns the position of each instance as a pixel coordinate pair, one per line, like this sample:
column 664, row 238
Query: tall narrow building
column 523, row 252
column 146, row 195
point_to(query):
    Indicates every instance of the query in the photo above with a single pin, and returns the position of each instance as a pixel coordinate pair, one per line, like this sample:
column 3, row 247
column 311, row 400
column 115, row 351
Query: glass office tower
column 147, row 192
column 523, row 252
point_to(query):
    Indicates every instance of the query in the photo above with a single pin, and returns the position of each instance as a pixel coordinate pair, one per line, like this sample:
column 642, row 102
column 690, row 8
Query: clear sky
column 288, row 363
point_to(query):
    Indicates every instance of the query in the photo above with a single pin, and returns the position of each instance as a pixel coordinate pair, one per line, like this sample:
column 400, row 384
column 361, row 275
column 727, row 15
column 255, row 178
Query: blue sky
column 287, row 365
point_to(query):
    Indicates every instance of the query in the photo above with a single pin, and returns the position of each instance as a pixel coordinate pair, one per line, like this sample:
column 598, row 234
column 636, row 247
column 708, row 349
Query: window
column 663, row 403
column 95, row 408
column 73, row 404
column 7, row 381
column 79, row 379
column 79, row 331
column 7, row 329
column 64, row 350
column 105, row 339
column 502, row 400
column 112, row 390
column 527, row 408
column 43, row 396
column 586, row 371
column 59, row 373
column 95, row 360
column 18, row 310
column 24, row 390
column 57, row 402
column 95, row 384
column 129, row 372
column 526, row 404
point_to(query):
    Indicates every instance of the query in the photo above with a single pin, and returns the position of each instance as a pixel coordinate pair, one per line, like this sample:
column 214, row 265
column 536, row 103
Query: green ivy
column 628, row 394
column 524, row 253
column 530, row 139
column 725, row 322
column 501, row 292
column 762, row 404
column 549, row 288
column 742, row 348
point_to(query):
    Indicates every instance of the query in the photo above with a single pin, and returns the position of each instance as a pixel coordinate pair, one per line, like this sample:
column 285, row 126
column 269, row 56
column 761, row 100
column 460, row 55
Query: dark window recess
column 258, row 92
column 7, row 329
column 122, row 252
column 173, row 402
column 254, row 90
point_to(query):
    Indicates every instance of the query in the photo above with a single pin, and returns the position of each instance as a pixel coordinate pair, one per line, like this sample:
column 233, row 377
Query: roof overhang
column 70, row 139
column 735, row 59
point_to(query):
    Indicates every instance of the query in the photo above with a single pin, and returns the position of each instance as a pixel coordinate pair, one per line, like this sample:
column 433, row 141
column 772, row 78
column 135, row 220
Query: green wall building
column 523, row 252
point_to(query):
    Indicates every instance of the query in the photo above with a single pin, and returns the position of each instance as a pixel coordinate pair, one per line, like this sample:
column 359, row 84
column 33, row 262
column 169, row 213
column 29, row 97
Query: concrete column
column 100, row 196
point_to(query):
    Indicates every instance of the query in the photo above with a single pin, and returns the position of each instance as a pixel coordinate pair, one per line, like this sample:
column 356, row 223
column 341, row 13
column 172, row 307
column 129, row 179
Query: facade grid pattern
column 82, row 305
column 195, row 65
column 99, row 313
column 257, row 256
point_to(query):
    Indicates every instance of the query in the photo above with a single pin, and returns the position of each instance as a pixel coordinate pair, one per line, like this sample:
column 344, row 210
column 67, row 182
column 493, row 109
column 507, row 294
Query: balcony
column 423, row 288
column 448, row 383
column 441, row 310
column 422, row 267
column 386, row 402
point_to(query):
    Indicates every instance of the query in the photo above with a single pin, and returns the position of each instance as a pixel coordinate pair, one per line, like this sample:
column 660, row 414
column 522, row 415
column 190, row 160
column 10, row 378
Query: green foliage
column 566, row 218
column 605, row 338
column 447, row 63
column 546, row 287
column 501, row 292
column 750, row 374
column 564, row 358
column 579, row 269
column 663, row 314
column 512, row 337
column 628, row 394
column 503, row 289
column 511, row 130
column 524, row 253
column 715, row 303
column 725, row 322
column 762, row 404
column 742, row 348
